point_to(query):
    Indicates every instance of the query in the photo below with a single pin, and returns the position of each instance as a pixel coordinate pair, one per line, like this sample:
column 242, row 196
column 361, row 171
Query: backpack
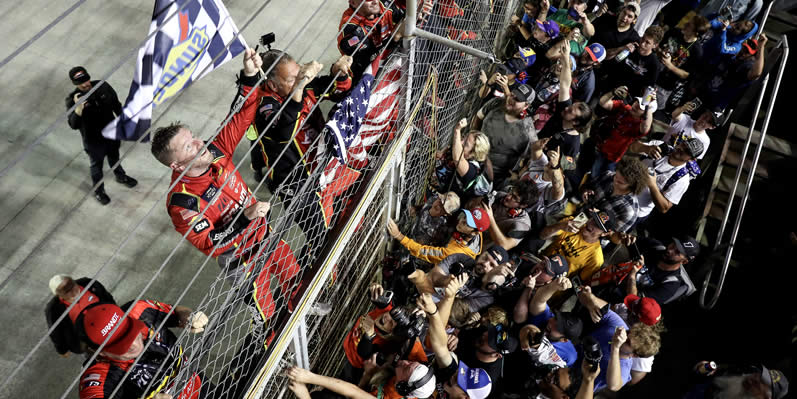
column 687, row 287
column 480, row 186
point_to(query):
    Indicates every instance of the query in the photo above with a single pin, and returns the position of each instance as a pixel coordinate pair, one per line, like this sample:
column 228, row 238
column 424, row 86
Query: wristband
column 435, row 312
column 554, row 167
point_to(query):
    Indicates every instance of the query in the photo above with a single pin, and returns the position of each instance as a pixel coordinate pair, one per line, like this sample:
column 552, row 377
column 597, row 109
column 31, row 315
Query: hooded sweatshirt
column 724, row 42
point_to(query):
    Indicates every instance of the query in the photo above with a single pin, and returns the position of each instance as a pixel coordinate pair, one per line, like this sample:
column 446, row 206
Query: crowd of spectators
column 507, row 284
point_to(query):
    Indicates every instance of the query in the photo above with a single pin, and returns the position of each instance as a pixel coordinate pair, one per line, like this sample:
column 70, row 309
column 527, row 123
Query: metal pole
column 764, row 20
column 742, row 157
column 454, row 45
column 300, row 345
column 410, row 18
column 750, row 178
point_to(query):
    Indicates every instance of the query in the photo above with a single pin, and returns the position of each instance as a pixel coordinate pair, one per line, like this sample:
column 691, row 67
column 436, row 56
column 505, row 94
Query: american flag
column 201, row 37
column 365, row 118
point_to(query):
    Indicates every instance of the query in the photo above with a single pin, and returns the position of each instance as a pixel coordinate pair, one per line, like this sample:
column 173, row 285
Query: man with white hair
column 67, row 291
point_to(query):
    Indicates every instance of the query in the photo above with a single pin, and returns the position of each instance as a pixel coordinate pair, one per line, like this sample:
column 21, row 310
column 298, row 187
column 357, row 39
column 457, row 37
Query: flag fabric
column 356, row 126
column 185, row 48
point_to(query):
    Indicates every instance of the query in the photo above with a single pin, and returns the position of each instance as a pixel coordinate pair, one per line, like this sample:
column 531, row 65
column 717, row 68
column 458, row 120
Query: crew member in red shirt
column 368, row 31
column 157, row 366
column 625, row 124
column 67, row 291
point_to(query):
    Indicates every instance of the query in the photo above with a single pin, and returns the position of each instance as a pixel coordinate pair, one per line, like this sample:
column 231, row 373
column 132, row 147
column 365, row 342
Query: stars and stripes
column 201, row 37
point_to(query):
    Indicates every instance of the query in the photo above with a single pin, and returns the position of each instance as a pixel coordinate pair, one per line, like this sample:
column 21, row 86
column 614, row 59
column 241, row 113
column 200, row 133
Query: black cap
column 498, row 253
column 569, row 325
column 694, row 147
column 776, row 381
column 523, row 93
column 556, row 265
column 604, row 219
column 688, row 246
column 500, row 340
column 79, row 75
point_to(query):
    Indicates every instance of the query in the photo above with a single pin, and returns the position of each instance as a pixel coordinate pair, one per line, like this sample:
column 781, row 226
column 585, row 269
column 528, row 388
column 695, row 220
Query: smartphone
column 384, row 300
column 633, row 252
column 697, row 103
column 581, row 219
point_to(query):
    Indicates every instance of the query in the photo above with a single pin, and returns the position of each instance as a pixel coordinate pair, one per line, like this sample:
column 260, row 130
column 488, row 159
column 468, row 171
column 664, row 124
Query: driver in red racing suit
column 231, row 240
column 156, row 367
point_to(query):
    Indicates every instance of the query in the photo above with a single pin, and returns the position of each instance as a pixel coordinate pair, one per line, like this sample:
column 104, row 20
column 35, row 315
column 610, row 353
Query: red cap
column 646, row 309
column 478, row 219
column 99, row 321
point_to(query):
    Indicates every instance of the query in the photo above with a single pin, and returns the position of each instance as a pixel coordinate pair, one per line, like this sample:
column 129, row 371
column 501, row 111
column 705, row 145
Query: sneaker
column 102, row 197
column 127, row 181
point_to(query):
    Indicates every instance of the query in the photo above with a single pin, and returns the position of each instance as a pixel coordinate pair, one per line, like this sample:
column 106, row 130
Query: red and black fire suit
column 236, row 239
column 101, row 108
column 105, row 374
column 297, row 127
column 64, row 336
column 368, row 36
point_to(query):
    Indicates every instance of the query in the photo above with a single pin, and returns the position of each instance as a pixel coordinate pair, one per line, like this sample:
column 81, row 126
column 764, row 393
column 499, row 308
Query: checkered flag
column 185, row 48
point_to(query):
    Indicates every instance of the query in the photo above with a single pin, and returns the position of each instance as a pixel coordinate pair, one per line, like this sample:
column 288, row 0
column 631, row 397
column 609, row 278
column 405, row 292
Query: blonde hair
column 645, row 339
column 481, row 146
column 450, row 202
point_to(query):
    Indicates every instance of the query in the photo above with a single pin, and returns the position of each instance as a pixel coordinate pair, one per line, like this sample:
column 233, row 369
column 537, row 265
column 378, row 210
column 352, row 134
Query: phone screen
column 581, row 219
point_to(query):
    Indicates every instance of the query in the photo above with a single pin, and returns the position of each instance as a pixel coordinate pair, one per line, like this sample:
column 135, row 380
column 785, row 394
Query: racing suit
column 238, row 239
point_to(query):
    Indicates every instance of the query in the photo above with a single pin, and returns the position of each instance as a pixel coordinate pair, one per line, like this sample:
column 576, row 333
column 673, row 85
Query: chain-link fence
column 325, row 238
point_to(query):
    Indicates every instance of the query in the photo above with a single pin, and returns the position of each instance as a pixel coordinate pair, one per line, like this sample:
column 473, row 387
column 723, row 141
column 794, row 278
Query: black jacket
column 101, row 108
column 64, row 336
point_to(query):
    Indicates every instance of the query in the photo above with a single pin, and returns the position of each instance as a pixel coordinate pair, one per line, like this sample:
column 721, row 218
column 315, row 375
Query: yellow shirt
column 584, row 258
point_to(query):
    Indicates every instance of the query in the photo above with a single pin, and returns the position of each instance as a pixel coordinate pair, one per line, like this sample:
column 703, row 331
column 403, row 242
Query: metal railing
column 707, row 282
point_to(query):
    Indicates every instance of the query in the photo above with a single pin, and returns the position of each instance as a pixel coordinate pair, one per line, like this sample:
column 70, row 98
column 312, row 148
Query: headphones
column 405, row 388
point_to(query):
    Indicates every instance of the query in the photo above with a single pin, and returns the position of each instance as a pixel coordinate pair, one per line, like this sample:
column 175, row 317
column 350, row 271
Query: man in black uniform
column 90, row 118
column 67, row 291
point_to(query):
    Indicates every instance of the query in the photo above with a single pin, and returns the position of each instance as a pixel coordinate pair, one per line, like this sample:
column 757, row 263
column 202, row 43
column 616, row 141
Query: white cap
column 56, row 282
column 427, row 389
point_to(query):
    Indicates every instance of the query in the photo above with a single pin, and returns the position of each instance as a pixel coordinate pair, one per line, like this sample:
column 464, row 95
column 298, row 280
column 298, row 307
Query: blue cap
column 551, row 28
column 596, row 51
column 474, row 381
column 528, row 55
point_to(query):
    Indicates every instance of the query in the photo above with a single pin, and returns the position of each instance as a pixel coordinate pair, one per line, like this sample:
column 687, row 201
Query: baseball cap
column 523, row 93
column 634, row 6
column 715, row 116
column 751, row 45
column 569, row 325
column 425, row 390
column 79, row 75
column 56, row 282
column 647, row 310
column 556, row 265
column 528, row 55
column 498, row 253
column 100, row 320
column 551, row 28
column 776, row 381
column 474, row 381
column 596, row 51
column 687, row 246
column 477, row 219
column 604, row 219
column 450, row 201
column 694, row 147
column 499, row 339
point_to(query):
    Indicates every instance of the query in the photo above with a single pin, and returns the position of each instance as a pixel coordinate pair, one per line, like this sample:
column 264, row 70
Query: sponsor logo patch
column 201, row 226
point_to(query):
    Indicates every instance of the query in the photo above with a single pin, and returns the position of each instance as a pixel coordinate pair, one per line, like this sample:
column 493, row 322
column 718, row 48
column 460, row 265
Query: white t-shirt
column 663, row 172
column 683, row 128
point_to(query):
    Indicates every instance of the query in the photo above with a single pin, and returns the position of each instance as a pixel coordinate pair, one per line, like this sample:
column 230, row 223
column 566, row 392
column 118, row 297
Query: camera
column 592, row 352
column 665, row 149
column 408, row 325
column 268, row 39
column 383, row 300
column 457, row 269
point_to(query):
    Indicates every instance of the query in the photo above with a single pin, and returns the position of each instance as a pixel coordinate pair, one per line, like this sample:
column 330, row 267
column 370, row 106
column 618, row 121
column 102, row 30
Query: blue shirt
column 603, row 334
column 566, row 350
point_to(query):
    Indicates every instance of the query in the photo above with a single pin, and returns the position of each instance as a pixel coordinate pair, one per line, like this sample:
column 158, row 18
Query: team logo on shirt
column 201, row 226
